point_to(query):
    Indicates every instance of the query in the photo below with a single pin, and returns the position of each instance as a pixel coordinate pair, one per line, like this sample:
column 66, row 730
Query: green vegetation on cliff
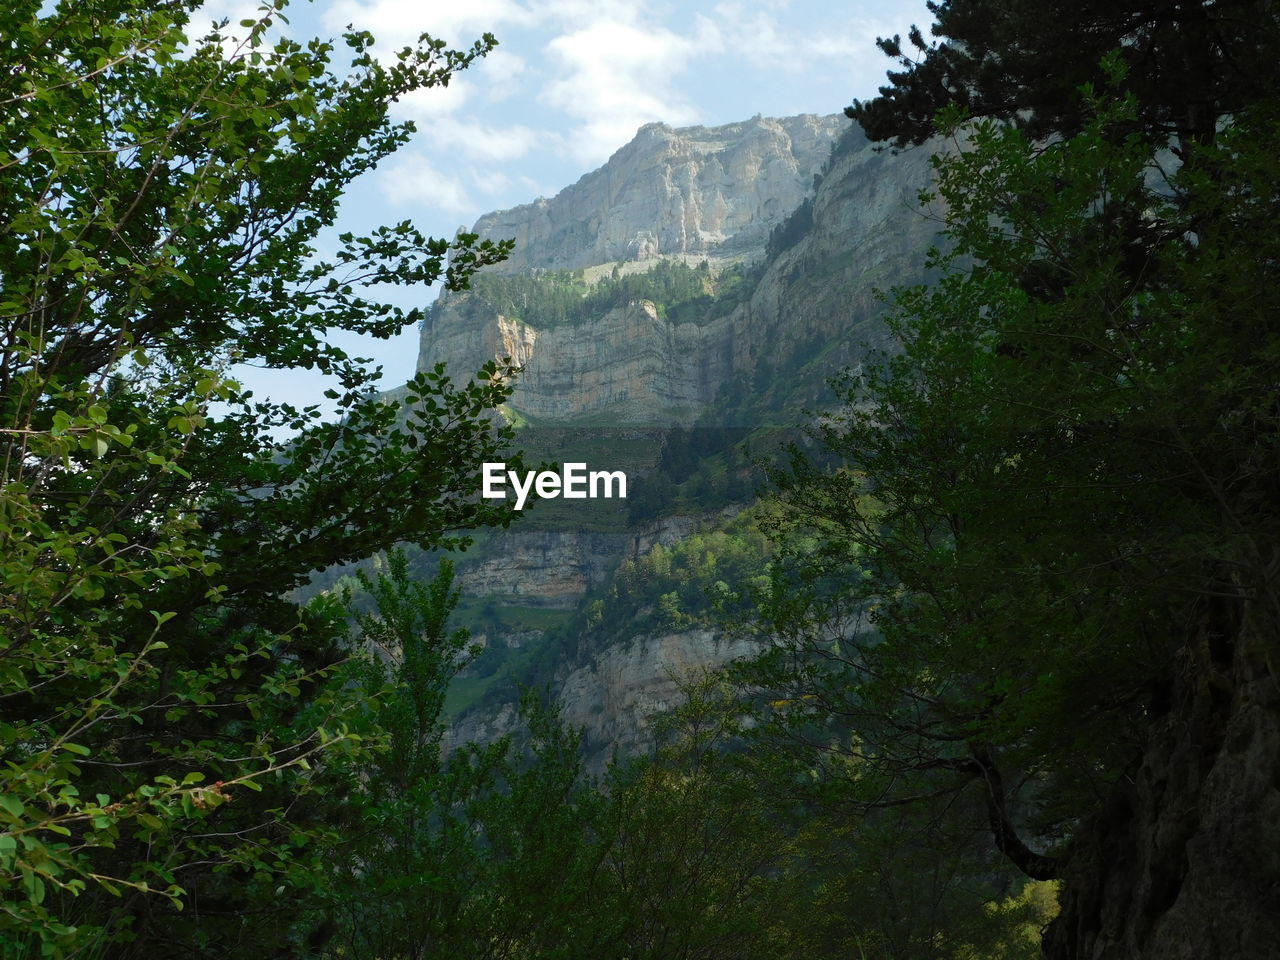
column 681, row 293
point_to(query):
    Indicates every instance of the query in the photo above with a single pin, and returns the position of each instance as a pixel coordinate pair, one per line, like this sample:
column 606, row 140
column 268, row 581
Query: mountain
column 689, row 192
column 689, row 295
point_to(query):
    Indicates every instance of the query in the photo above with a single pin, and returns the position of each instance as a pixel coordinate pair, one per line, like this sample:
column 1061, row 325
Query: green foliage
column 681, row 293
column 510, row 850
column 791, row 230
column 1024, row 62
column 474, row 851
column 696, row 862
column 1020, row 533
column 714, row 853
column 685, row 586
column 1063, row 485
column 679, row 587
column 851, row 140
column 1019, row 922
column 408, row 860
column 699, row 469
column 164, row 700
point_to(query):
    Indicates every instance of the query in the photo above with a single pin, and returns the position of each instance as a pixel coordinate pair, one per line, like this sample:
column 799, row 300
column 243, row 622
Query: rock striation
column 692, row 192
column 812, row 307
column 613, row 697
column 553, row 569
column 631, row 366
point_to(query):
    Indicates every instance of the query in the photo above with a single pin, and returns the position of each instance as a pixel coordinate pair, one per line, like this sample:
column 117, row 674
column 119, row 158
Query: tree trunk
column 1184, row 864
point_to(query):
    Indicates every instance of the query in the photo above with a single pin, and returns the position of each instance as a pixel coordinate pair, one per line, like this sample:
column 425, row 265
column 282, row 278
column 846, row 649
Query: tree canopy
column 163, row 198
column 1044, row 579
column 1188, row 65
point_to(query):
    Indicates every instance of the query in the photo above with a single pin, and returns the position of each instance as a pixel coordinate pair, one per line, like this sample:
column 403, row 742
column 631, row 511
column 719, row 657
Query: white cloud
column 617, row 75
column 573, row 13
column 752, row 32
column 530, row 187
column 499, row 71
column 234, row 12
column 490, row 182
column 432, row 103
column 479, row 141
column 414, row 181
column 398, row 22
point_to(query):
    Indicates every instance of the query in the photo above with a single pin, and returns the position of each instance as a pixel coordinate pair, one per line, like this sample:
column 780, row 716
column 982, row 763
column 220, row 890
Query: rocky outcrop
column 613, row 697
column 693, row 191
column 631, row 366
column 541, row 568
column 554, row 568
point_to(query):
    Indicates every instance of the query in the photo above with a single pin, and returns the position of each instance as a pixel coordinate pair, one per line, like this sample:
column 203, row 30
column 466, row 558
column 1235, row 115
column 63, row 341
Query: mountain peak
column 691, row 192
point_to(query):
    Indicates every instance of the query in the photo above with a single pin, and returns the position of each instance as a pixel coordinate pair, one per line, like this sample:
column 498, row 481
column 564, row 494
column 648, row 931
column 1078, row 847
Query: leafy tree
column 450, row 849
column 1044, row 582
column 409, row 863
column 1189, row 65
column 163, row 695
column 544, row 838
column 695, row 853
column 1196, row 73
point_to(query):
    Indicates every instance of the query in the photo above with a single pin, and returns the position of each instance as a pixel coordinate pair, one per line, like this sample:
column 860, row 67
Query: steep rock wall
column 694, row 191
column 629, row 365
column 554, row 568
column 714, row 193
column 613, row 697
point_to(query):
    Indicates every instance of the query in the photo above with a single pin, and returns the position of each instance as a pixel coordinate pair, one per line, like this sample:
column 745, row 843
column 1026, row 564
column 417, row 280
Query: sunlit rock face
column 811, row 308
column 693, row 191
column 614, row 697
column 627, row 363
column 696, row 193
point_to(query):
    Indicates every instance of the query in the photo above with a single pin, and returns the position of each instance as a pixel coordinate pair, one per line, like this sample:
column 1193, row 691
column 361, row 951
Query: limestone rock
column 541, row 568
column 614, row 697
column 693, row 191
column 631, row 366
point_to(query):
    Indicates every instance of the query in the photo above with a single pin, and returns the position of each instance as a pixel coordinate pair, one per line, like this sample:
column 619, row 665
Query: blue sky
column 569, row 84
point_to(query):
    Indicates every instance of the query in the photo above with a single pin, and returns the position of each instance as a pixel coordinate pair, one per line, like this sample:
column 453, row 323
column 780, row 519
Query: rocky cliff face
column 690, row 194
column 542, row 568
column 613, row 697
column 555, row 568
column 629, row 365
column 694, row 191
